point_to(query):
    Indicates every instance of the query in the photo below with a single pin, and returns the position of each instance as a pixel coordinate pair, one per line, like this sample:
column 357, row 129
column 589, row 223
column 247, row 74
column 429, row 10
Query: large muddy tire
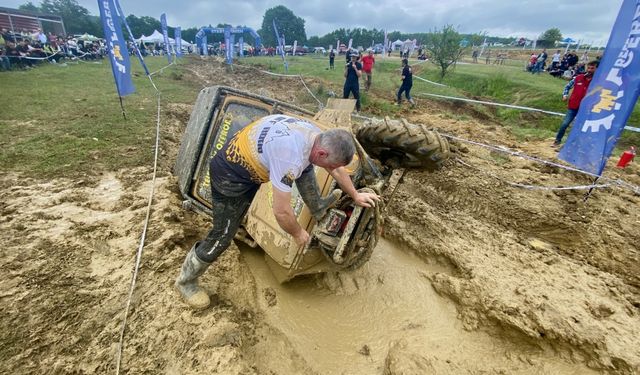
column 399, row 144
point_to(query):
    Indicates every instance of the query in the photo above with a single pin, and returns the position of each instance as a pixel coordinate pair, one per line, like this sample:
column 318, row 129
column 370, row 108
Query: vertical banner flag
column 384, row 45
column 177, row 35
column 163, row 22
column 338, row 46
column 228, row 47
column 612, row 94
column 280, row 46
column 118, row 53
column 133, row 39
column 295, row 46
column 241, row 45
column 350, row 42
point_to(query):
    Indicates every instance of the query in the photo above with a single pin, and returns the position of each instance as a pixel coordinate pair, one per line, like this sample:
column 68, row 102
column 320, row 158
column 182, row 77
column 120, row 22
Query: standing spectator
column 352, row 74
column 555, row 60
column 474, row 55
column 407, row 83
column 367, row 66
column 4, row 60
column 41, row 37
column 332, row 59
column 580, row 85
column 487, row 60
column 572, row 58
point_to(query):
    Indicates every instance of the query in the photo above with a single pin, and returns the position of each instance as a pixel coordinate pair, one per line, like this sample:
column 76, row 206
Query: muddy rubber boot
column 413, row 103
column 187, row 282
column 310, row 193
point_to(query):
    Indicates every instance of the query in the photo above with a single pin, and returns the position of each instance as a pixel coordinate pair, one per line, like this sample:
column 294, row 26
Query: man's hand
column 366, row 199
column 301, row 237
column 564, row 98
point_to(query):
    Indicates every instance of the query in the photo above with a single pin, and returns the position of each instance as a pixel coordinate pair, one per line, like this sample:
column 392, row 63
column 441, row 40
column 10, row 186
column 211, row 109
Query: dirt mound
column 543, row 271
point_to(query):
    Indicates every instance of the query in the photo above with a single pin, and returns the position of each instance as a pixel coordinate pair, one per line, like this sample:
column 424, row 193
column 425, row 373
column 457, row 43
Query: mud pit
column 474, row 276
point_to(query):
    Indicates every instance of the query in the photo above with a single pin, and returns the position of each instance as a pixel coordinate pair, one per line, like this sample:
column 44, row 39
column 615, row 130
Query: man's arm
column 358, row 71
column 567, row 88
column 286, row 219
column 361, row 199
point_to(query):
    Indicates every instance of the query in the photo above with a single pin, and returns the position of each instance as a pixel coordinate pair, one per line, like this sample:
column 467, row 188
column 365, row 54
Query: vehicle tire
column 399, row 144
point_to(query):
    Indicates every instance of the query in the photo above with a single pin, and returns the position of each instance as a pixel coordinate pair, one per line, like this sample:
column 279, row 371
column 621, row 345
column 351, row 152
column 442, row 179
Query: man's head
column 332, row 148
column 354, row 55
column 405, row 62
column 591, row 67
column 370, row 53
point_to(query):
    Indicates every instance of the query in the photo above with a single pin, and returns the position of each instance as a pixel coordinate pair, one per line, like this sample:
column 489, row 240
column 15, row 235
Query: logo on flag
column 117, row 46
column 612, row 95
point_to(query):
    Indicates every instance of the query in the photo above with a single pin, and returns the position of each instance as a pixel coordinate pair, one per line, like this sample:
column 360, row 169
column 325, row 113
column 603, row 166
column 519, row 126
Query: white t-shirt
column 275, row 148
column 284, row 144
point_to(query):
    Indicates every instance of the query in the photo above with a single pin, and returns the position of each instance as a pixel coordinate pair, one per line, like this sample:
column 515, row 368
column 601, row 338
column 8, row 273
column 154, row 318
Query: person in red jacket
column 580, row 85
column 367, row 67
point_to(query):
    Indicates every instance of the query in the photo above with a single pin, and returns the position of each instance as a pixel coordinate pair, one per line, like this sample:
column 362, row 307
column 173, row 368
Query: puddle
column 393, row 301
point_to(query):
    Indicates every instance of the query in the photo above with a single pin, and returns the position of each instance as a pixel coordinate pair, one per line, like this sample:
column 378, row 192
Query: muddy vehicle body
column 346, row 236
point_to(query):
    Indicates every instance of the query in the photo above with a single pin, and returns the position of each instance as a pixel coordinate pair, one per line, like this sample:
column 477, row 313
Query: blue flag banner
column 177, row 35
column 228, row 47
column 118, row 52
column 133, row 39
column 280, row 46
column 612, row 95
column 165, row 34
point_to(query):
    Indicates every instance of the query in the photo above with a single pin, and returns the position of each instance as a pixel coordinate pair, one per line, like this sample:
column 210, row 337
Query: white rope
column 320, row 106
column 631, row 128
column 142, row 236
column 502, row 149
column 431, row 82
column 161, row 69
column 534, row 187
column 492, row 103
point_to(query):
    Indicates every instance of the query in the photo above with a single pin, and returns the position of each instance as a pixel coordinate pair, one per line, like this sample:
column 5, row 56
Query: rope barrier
column 534, row 187
column 320, row 105
column 493, row 103
column 161, row 69
column 431, row 82
column 635, row 189
column 144, row 231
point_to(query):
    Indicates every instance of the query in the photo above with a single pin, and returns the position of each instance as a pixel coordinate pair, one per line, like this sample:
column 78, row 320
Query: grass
column 67, row 120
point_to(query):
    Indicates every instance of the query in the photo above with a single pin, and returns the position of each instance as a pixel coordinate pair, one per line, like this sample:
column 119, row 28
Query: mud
column 474, row 276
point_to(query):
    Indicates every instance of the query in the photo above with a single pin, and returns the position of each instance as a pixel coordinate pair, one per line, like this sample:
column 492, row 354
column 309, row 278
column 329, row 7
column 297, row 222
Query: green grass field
column 65, row 120
column 61, row 121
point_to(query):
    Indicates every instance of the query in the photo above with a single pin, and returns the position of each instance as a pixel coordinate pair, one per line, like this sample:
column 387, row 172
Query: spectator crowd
column 25, row 50
column 566, row 65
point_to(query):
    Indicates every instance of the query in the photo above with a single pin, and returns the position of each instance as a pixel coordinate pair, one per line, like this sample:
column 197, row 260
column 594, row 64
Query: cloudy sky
column 589, row 20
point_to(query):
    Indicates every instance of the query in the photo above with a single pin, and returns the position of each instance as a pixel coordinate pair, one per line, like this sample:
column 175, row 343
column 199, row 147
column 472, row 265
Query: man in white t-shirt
column 277, row 148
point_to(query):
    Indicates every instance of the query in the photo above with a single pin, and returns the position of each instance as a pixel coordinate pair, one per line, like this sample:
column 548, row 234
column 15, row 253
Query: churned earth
column 473, row 276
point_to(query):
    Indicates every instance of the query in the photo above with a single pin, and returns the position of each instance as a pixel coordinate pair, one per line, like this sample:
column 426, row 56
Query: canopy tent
column 397, row 44
column 156, row 37
column 568, row 40
column 88, row 37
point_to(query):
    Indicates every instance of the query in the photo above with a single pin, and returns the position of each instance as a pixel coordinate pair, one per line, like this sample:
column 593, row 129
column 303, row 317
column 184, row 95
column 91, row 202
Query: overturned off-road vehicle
column 346, row 235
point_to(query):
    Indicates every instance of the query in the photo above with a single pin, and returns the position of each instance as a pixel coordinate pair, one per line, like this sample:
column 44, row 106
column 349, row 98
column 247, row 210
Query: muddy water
column 348, row 326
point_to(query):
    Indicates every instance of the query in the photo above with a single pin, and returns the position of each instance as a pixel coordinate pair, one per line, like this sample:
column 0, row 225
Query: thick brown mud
column 474, row 276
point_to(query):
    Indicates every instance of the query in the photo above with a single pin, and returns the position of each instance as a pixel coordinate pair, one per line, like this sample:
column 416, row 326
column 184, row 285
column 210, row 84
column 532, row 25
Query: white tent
column 156, row 37
column 397, row 44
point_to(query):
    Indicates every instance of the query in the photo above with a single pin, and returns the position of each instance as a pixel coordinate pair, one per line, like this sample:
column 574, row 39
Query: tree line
column 78, row 20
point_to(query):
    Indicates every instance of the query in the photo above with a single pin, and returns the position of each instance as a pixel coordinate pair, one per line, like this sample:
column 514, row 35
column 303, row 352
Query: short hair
column 593, row 63
column 339, row 144
column 405, row 62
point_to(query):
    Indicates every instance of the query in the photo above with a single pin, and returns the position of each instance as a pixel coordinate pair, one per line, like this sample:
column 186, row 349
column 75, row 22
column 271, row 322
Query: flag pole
column 122, row 107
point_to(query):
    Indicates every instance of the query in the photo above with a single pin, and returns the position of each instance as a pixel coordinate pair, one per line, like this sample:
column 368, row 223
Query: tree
column 29, row 7
column 143, row 25
column 76, row 18
column 550, row 37
column 445, row 47
column 289, row 25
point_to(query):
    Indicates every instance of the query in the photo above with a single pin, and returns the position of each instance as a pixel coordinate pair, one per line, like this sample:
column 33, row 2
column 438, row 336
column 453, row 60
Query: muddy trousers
column 227, row 213
column 352, row 88
column 407, row 92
